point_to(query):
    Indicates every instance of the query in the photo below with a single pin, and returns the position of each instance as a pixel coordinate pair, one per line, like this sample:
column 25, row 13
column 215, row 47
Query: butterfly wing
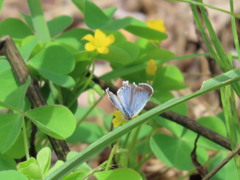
column 117, row 103
column 133, row 98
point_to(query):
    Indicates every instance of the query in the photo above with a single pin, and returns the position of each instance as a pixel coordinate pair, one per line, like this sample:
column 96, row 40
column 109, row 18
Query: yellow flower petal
column 103, row 50
column 157, row 25
column 99, row 41
column 99, row 36
column 109, row 40
column 89, row 38
column 89, row 47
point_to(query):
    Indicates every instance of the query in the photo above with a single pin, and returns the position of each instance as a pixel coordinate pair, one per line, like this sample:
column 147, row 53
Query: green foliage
column 15, row 28
column 59, row 24
column 54, row 63
column 54, row 120
column 10, row 129
column 177, row 151
column 118, row 174
column 11, row 174
column 63, row 65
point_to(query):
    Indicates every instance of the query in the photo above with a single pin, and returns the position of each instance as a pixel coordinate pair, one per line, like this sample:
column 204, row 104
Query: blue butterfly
column 131, row 99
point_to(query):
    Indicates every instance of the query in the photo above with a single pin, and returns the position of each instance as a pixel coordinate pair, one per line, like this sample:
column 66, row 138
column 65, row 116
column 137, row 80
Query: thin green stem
column 207, row 5
column 78, row 91
column 25, row 139
column 113, row 152
column 234, row 29
column 145, row 158
column 133, row 140
column 126, row 139
column 89, row 110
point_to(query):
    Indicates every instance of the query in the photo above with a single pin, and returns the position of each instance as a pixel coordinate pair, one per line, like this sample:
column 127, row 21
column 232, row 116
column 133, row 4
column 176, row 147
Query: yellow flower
column 156, row 25
column 119, row 119
column 99, row 42
column 151, row 68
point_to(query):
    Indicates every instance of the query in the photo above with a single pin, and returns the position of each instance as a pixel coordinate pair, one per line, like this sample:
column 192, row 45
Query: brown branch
column 225, row 161
column 179, row 119
column 201, row 170
column 8, row 48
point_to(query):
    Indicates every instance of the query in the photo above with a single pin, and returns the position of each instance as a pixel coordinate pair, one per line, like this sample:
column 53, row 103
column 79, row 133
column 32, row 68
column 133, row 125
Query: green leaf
column 132, row 49
column 59, row 24
column 4, row 64
column 8, row 84
column 16, row 98
column 86, row 132
column 175, row 152
column 10, row 175
column 146, row 32
column 15, row 28
column 210, row 123
column 17, row 150
column 54, row 120
column 71, row 39
column 118, row 174
column 109, row 138
column 27, row 46
column 54, row 58
column 30, row 169
column 116, row 55
column 120, row 55
column 176, row 129
column 54, row 62
column 110, row 11
column 27, row 19
column 95, row 18
column 80, row 4
column 44, row 160
column 114, row 25
column 10, row 127
column 6, row 163
column 75, row 176
column 55, row 166
column 229, row 171
column 83, row 167
column 171, row 79
column 127, row 71
column 57, row 78
column 83, row 56
column 158, row 54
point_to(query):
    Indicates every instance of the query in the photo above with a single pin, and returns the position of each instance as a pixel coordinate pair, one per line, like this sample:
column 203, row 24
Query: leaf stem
column 114, row 149
column 25, row 139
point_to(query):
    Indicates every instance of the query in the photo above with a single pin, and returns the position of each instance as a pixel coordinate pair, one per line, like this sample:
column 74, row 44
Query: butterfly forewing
column 133, row 98
column 116, row 102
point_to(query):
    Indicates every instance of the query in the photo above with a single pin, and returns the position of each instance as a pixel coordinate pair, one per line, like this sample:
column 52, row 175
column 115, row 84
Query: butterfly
column 131, row 99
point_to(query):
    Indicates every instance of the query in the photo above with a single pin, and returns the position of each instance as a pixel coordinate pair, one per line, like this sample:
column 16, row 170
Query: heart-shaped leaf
column 10, row 127
column 54, row 63
column 175, row 152
column 54, row 120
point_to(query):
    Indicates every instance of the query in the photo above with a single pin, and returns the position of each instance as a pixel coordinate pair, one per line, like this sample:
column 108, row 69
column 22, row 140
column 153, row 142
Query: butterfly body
column 131, row 99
